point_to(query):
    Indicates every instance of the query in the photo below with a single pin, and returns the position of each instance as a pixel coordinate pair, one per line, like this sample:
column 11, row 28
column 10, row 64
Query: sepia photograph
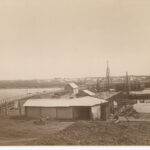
column 74, row 73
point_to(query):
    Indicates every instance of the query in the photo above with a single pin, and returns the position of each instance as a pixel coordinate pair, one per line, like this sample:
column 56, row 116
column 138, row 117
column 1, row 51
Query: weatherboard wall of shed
column 33, row 112
column 96, row 112
column 71, row 90
column 64, row 113
column 67, row 88
column 49, row 112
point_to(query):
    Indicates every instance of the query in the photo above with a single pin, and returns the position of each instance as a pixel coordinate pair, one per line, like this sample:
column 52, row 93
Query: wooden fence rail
column 8, row 103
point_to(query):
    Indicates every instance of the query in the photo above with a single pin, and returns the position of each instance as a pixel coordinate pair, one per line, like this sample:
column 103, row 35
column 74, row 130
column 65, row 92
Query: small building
column 71, row 88
column 114, row 99
column 84, row 108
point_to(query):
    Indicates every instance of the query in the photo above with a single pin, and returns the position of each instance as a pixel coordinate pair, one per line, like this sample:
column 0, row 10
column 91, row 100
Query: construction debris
column 129, row 111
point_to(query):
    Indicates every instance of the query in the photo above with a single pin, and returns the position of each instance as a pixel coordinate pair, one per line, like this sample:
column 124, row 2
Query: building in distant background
column 120, row 84
column 72, row 89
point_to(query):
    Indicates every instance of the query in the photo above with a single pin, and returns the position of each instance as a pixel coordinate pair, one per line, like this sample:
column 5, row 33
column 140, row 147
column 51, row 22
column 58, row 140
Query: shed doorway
column 85, row 113
column 82, row 113
column 103, row 112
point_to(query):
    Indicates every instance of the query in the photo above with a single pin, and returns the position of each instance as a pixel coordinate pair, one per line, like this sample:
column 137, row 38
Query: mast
column 107, row 77
column 127, row 84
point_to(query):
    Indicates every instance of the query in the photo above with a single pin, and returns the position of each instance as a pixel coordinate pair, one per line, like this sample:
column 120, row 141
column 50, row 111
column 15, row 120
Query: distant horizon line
column 71, row 77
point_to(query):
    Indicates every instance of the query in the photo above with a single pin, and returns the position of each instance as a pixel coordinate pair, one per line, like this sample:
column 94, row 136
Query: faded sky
column 73, row 38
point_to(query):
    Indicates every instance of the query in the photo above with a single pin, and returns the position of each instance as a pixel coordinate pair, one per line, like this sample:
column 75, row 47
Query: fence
column 9, row 103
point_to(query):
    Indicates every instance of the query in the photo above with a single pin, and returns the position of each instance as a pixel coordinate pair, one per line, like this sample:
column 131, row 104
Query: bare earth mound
column 99, row 133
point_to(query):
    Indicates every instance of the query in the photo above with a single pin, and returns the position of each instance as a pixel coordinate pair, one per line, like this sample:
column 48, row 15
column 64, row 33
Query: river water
column 9, row 93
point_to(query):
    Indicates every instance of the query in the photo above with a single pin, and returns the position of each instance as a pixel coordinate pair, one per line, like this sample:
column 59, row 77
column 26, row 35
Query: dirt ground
column 25, row 132
column 20, row 132
column 99, row 133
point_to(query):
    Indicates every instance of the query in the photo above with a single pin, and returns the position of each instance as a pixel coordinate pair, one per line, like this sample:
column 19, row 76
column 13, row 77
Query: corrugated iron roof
column 107, row 95
column 89, row 92
column 73, row 85
column 84, row 101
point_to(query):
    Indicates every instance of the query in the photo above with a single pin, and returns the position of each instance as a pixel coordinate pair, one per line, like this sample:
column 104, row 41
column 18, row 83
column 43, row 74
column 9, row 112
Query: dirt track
column 20, row 132
column 13, row 141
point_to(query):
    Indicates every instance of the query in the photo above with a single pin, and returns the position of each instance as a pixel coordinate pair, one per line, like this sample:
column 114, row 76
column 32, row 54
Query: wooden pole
column 0, row 107
column 6, row 109
column 19, row 106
